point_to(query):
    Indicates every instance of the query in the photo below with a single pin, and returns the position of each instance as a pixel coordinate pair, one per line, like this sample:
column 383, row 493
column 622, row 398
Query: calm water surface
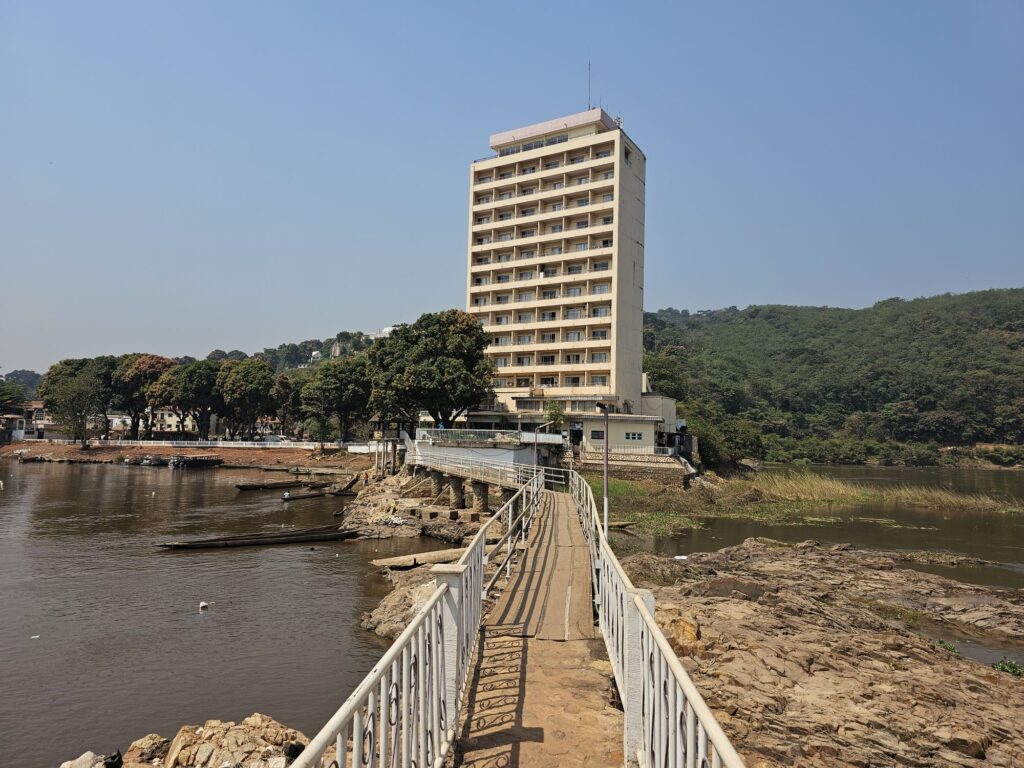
column 122, row 649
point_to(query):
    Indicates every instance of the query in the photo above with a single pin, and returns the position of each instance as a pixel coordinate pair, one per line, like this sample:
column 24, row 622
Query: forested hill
column 784, row 382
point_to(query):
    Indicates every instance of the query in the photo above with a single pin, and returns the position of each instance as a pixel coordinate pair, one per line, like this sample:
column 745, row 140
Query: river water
column 101, row 639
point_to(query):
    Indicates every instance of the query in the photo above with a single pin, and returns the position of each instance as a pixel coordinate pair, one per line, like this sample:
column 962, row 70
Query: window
column 547, row 338
column 629, row 156
column 601, row 288
column 524, row 338
column 581, row 247
column 601, row 312
column 504, row 236
column 500, row 383
column 483, row 199
column 555, row 207
column 559, row 139
column 600, row 334
column 501, row 362
column 483, row 219
column 528, row 190
column 599, row 381
column 527, row 211
column 634, row 435
column 609, row 175
column 606, row 243
column 524, row 382
column 574, row 269
column 502, row 299
column 552, row 228
column 556, row 185
column 529, row 169
column 554, row 250
column 505, row 196
column 597, row 434
column 601, row 266
column 524, row 359
column 573, row 359
column 581, row 202
column 550, row 293
column 603, row 153
column 550, row 272
column 548, row 381
column 481, row 280
column 582, row 224
column 574, row 290
column 501, row 258
column 526, row 274
column 501, row 341
column 504, row 278
column 504, row 216
column 502, row 320
column 574, row 335
column 482, row 260
column 573, row 381
column 552, row 164
column 546, row 360
column 527, row 254
column 581, row 180
column 575, row 160
column 483, row 179
column 573, row 314
column 607, row 198
column 606, row 220
column 505, row 175
column 525, row 317
column 547, row 316
column 599, row 357
column 483, row 240
column 532, row 232
column 526, row 296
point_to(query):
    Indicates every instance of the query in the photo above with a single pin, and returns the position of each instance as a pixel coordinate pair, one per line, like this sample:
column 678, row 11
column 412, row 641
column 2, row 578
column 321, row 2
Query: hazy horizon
column 190, row 177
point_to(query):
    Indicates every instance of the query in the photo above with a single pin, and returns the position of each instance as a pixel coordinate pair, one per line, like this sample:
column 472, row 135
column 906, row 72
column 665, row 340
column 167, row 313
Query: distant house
column 314, row 358
column 12, row 427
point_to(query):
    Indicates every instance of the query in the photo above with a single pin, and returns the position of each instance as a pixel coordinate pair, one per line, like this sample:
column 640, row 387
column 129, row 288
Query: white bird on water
column 203, row 605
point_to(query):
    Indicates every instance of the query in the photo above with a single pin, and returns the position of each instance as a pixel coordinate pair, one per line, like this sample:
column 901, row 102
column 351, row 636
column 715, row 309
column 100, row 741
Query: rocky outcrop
column 412, row 589
column 812, row 655
column 256, row 742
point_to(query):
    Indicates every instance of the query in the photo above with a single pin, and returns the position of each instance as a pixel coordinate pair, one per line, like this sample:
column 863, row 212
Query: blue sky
column 183, row 176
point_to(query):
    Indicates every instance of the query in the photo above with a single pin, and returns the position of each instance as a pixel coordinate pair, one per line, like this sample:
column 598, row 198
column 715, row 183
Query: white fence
column 597, row 446
column 406, row 711
column 667, row 722
column 188, row 443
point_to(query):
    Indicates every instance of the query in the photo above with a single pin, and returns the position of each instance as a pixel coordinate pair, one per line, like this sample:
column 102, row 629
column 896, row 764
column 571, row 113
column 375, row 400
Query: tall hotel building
column 556, row 271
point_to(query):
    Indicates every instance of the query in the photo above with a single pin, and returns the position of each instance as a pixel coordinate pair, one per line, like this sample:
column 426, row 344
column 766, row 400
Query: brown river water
column 101, row 638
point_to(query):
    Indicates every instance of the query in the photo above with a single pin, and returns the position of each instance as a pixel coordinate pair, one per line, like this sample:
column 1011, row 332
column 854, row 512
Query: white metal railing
column 405, row 712
column 596, row 446
column 667, row 721
column 184, row 443
column 468, row 435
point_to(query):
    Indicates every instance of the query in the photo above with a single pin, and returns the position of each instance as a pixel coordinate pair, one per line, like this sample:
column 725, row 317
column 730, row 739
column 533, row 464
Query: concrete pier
column 480, row 499
column 457, row 492
column 436, row 482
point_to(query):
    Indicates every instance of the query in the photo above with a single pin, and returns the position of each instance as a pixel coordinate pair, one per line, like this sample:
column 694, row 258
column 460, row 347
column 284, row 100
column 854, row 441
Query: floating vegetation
column 1009, row 665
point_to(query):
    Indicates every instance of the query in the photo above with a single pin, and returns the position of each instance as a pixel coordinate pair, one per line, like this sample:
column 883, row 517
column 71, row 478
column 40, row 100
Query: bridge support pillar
column 480, row 497
column 436, row 482
column 452, row 575
column 633, row 696
column 458, row 492
column 506, row 495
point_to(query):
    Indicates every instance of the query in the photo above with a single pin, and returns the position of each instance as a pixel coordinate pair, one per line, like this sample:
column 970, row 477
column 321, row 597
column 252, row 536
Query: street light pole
column 604, row 409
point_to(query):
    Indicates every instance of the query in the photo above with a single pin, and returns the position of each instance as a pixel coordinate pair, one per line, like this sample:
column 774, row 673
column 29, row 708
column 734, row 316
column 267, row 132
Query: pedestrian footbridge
column 496, row 668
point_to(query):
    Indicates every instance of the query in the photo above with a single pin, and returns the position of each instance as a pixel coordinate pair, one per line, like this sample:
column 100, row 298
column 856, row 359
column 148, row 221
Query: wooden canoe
column 301, row 536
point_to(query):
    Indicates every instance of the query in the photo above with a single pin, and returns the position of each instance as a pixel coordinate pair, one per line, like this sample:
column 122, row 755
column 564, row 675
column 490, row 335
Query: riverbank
column 829, row 655
column 275, row 457
column 793, row 497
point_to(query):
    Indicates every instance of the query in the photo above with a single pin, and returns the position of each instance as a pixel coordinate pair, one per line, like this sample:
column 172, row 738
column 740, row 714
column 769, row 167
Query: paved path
column 541, row 693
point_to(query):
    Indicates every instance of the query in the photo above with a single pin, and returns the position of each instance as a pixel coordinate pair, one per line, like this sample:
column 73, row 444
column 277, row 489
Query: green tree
column 555, row 413
column 350, row 380
column 437, row 364
column 319, row 398
column 246, row 391
column 168, row 392
column 197, row 389
column 12, row 396
column 74, row 394
column 130, row 381
column 28, row 379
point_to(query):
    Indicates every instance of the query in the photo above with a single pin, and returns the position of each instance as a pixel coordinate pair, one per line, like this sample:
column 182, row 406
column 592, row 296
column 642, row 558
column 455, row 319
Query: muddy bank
column 815, row 655
column 250, row 457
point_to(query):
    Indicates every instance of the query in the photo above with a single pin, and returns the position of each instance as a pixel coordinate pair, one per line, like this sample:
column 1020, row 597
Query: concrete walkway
column 541, row 693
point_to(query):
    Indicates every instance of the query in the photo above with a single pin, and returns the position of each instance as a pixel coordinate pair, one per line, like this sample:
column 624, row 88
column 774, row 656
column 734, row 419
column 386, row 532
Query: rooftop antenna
column 589, row 104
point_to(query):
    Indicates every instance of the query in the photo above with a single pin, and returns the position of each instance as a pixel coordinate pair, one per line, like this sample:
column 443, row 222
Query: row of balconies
column 528, row 277
column 526, row 236
column 572, row 196
column 546, row 168
column 482, row 263
column 563, row 339
column 552, row 296
column 538, row 379
column 567, row 360
column 567, row 221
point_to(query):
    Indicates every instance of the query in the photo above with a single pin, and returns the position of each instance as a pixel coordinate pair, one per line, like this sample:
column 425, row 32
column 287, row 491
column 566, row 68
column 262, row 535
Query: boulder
column 254, row 743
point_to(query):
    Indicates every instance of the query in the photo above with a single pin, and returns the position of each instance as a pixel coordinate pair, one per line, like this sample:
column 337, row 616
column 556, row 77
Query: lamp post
column 603, row 407
column 536, row 457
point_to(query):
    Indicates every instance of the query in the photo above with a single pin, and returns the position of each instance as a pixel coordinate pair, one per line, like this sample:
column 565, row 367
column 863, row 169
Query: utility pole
column 604, row 409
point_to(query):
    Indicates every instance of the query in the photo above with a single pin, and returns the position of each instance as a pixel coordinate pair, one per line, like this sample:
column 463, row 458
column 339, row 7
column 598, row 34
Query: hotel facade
column 556, row 276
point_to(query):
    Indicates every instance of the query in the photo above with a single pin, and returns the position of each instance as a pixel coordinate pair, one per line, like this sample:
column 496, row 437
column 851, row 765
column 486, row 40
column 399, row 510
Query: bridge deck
column 540, row 694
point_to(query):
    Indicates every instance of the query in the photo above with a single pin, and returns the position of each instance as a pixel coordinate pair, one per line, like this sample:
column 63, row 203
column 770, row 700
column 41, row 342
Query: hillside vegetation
column 893, row 383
